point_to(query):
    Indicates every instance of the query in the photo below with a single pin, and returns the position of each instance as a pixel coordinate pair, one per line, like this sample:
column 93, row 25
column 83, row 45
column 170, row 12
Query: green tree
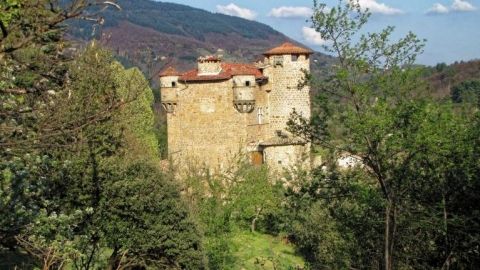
column 70, row 121
column 147, row 224
column 254, row 196
column 375, row 113
column 115, row 159
column 371, row 84
column 371, row 107
column 467, row 91
column 136, row 118
column 9, row 10
column 33, row 78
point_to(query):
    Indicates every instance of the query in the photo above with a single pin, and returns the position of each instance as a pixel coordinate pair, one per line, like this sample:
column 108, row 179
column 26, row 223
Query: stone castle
column 219, row 110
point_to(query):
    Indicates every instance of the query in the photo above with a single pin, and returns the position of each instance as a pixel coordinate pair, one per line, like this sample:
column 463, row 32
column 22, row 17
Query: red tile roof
column 242, row 69
column 288, row 48
column 170, row 71
column 192, row 76
column 228, row 70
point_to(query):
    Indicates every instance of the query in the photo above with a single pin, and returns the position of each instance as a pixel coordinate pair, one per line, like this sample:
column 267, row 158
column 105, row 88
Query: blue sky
column 451, row 27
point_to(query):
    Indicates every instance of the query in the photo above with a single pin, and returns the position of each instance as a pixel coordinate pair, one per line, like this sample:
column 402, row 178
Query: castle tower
column 286, row 66
column 169, row 84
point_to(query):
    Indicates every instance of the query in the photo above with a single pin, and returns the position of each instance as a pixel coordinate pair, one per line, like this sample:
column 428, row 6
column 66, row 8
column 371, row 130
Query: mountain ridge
column 153, row 35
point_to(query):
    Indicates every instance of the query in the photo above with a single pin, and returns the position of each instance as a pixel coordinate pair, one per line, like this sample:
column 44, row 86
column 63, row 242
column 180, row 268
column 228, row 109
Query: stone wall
column 205, row 126
column 206, row 67
column 168, row 82
column 241, row 80
column 286, row 156
column 169, row 94
column 285, row 96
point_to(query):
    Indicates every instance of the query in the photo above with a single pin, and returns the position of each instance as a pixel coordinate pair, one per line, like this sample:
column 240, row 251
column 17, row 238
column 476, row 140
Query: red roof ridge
column 228, row 71
column 170, row 71
column 288, row 48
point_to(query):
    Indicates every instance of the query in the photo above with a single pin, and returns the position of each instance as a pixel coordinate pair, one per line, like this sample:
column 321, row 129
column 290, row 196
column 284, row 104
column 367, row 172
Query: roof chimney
column 209, row 65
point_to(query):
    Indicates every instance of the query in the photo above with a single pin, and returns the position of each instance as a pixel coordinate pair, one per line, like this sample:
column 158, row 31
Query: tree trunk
column 390, row 227
column 386, row 252
column 393, row 232
column 3, row 29
column 113, row 260
column 448, row 253
column 254, row 221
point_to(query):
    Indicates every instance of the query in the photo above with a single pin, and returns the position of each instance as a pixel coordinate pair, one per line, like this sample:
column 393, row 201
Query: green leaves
column 467, row 92
column 9, row 9
column 146, row 222
column 416, row 153
column 82, row 167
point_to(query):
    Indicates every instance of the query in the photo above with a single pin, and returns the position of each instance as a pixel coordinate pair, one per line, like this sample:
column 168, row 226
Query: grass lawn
column 262, row 251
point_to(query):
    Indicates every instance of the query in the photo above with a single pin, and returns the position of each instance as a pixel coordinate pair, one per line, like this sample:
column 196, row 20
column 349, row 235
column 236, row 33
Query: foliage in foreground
column 80, row 186
column 410, row 203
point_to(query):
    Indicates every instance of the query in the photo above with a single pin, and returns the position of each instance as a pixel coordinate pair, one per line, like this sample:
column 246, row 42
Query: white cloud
column 461, row 5
column 438, row 8
column 234, row 10
column 291, row 12
column 381, row 8
column 312, row 36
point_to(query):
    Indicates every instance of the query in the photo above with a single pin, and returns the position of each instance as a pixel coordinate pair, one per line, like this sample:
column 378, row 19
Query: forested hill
column 178, row 34
column 443, row 78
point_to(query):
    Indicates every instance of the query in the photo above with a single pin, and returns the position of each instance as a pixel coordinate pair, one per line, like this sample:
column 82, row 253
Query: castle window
column 247, row 83
column 260, row 115
column 295, row 57
column 174, row 84
column 278, row 60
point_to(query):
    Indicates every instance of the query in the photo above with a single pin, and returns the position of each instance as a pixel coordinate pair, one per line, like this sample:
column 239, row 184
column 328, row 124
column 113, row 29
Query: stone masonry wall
column 285, row 95
column 205, row 127
column 286, row 156
column 166, row 82
column 209, row 67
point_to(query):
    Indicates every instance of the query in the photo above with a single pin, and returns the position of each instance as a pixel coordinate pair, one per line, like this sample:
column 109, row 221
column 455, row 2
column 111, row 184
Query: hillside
column 442, row 78
column 156, row 34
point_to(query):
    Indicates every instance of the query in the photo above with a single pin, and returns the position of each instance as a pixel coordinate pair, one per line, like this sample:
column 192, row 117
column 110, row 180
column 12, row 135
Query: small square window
column 247, row 83
column 174, row 84
column 278, row 60
column 294, row 57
